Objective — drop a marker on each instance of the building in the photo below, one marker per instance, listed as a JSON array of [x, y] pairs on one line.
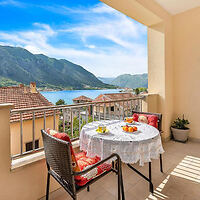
[[82, 99], [23, 97], [111, 108]]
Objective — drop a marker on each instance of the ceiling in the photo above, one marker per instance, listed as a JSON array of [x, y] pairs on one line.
[[178, 6]]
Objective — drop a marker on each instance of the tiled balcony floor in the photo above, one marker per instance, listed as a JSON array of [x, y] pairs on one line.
[[180, 181]]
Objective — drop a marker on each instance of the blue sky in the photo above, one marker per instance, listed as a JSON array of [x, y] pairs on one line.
[[86, 32]]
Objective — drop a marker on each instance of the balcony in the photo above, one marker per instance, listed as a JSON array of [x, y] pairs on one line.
[[180, 167], [173, 70]]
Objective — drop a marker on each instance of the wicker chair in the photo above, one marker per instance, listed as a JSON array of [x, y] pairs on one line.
[[159, 115], [59, 166]]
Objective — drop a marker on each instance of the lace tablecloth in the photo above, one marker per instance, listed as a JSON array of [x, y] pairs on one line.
[[142, 146]]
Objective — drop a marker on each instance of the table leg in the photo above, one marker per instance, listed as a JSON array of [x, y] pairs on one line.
[[143, 176]]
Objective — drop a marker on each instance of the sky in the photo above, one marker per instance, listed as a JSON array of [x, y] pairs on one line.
[[85, 32]]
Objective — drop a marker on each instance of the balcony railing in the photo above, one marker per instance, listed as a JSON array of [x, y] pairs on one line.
[[67, 118]]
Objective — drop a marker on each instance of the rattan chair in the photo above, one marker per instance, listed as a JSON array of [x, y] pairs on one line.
[[159, 115], [59, 166]]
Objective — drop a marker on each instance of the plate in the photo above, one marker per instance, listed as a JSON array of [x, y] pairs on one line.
[[106, 132]]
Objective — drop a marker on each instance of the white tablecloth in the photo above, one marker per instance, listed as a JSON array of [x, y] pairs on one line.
[[142, 146]]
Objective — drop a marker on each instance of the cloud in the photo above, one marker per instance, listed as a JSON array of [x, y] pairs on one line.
[[11, 3], [109, 43]]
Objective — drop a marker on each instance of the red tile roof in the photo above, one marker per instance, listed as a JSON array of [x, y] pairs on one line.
[[82, 98], [21, 97], [114, 96]]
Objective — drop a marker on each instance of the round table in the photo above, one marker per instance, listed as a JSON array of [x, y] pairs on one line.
[[142, 145]]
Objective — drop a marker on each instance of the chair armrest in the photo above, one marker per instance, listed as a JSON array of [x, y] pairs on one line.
[[96, 165]]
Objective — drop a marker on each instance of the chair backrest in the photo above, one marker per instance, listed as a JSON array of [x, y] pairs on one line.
[[159, 115], [58, 158]]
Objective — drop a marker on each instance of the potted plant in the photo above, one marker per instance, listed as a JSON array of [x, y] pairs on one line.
[[180, 130]]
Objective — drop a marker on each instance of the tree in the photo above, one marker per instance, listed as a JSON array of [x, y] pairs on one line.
[[60, 102], [137, 91]]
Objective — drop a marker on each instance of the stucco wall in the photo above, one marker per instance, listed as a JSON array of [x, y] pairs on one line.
[[186, 40]]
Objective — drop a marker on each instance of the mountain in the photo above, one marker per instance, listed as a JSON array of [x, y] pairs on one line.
[[131, 81], [106, 80], [17, 65]]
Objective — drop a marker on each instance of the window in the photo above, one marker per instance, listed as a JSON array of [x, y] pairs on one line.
[[112, 108], [29, 145]]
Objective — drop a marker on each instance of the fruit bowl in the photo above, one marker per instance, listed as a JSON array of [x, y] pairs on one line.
[[129, 129], [129, 120]]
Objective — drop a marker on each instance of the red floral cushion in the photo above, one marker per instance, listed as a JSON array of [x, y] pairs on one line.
[[135, 117], [152, 119], [65, 137], [85, 162]]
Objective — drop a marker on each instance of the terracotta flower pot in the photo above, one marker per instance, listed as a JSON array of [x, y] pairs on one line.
[[180, 135]]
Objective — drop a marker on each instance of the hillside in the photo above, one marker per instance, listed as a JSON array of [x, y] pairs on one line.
[[106, 80], [17, 65], [131, 81]]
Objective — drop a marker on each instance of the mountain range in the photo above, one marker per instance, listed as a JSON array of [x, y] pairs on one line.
[[128, 80], [17, 65]]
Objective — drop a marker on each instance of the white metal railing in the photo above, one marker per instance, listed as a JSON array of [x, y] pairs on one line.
[[71, 118]]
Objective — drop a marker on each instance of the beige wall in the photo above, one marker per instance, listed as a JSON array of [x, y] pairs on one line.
[[28, 182], [27, 132], [186, 40]]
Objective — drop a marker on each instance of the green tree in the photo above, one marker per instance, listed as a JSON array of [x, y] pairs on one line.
[[60, 102], [137, 91]]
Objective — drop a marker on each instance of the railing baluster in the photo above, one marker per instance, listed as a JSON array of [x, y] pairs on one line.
[[93, 112], [127, 108], [104, 111], [63, 112], [131, 107], [54, 119], [79, 120], [86, 114], [123, 109], [110, 117], [44, 120], [33, 136], [99, 112], [115, 109], [72, 120], [21, 134]]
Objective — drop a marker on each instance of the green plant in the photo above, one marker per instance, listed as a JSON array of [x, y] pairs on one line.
[[60, 102], [180, 123], [137, 91]]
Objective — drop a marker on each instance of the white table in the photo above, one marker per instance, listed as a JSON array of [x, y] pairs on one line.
[[141, 146]]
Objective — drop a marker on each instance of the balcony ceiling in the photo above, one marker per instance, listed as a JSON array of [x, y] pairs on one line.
[[178, 6]]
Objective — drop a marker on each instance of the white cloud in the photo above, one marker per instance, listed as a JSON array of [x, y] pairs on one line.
[[11, 3], [122, 53]]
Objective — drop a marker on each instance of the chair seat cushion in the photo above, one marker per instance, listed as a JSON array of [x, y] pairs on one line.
[[84, 162]]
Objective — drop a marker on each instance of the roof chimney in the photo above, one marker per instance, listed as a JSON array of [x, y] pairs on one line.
[[33, 87], [25, 90]]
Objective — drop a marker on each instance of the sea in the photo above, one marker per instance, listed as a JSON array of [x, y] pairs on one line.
[[69, 95]]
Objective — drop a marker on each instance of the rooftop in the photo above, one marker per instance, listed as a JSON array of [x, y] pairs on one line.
[[23, 97], [114, 96], [82, 98]]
